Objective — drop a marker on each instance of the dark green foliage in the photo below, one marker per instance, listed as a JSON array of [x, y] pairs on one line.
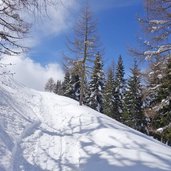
[[163, 105], [96, 85], [66, 85], [108, 93], [58, 88], [50, 85], [71, 85], [133, 103], [75, 87], [119, 90]]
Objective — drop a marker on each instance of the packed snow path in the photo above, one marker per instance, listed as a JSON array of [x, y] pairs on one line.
[[41, 131]]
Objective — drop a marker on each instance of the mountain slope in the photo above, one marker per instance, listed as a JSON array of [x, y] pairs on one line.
[[41, 131]]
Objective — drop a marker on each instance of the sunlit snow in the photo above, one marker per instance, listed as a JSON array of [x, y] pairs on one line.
[[41, 131]]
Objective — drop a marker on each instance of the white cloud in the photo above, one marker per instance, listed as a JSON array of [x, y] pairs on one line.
[[56, 19], [31, 73]]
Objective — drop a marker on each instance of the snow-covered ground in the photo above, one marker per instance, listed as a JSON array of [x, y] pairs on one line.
[[41, 131]]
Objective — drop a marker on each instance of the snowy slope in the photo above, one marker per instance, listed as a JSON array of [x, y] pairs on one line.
[[41, 131]]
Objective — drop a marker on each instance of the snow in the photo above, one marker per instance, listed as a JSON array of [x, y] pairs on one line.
[[159, 130], [161, 49], [147, 42], [164, 48], [149, 54], [41, 131], [154, 28], [160, 76], [158, 22]]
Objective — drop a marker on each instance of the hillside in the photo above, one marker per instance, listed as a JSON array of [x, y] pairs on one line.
[[41, 131]]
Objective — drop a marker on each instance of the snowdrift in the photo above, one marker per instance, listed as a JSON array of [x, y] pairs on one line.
[[40, 131]]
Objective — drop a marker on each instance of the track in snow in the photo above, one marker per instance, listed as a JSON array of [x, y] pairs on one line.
[[44, 132]]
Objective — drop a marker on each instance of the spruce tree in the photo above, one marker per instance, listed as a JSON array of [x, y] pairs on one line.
[[96, 85], [66, 86], [71, 84], [119, 90], [108, 93], [154, 81], [75, 86], [58, 88], [156, 45], [50, 85], [133, 101], [162, 119]]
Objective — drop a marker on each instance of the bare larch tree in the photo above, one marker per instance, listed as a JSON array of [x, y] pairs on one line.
[[13, 27], [83, 47]]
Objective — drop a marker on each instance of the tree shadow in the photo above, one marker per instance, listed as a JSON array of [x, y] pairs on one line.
[[96, 152], [96, 156], [12, 123]]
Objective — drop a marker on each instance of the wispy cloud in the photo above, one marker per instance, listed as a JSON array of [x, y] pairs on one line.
[[56, 19]]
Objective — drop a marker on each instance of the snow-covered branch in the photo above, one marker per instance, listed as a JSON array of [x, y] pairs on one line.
[[161, 49], [160, 130]]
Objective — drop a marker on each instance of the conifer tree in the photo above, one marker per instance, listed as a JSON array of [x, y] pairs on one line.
[[71, 84], [66, 86], [119, 90], [133, 101], [154, 81], [50, 85], [156, 49], [108, 93], [96, 85], [162, 107], [75, 86], [58, 88]]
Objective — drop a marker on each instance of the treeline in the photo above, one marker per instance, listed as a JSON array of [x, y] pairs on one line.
[[130, 101], [143, 99]]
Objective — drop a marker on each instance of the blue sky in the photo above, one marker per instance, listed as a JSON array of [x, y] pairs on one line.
[[118, 30], [117, 26]]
